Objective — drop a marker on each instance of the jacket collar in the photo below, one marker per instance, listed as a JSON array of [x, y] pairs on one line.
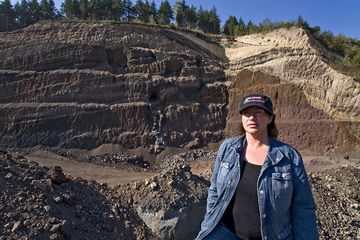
[[274, 154]]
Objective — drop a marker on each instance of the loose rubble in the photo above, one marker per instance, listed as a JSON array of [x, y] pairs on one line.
[[337, 196], [43, 203], [118, 160], [172, 203]]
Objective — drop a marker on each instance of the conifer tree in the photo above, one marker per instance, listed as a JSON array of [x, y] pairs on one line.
[[47, 9], [7, 16], [166, 14], [240, 29], [145, 17], [67, 8], [139, 10], [230, 25], [128, 10], [191, 17], [180, 13], [84, 9], [34, 11], [22, 12], [154, 16], [250, 27], [117, 9]]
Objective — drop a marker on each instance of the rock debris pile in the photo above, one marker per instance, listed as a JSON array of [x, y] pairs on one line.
[[41, 203], [118, 160], [185, 157], [171, 203], [338, 200]]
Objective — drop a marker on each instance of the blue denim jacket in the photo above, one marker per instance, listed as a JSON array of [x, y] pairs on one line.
[[286, 205]]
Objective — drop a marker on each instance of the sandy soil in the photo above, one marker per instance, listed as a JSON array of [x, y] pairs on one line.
[[88, 171], [116, 176]]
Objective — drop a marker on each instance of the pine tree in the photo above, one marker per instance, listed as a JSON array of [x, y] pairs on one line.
[[230, 25], [154, 16], [47, 9], [214, 21], [165, 13], [250, 27], [76, 9], [145, 17], [139, 10], [128, 10], [117, 9], [180, 13], [22, 11], [7, 16], [240, 29], [34, 11], [191, 17], [84, 9], [202, 19], [66, 8]]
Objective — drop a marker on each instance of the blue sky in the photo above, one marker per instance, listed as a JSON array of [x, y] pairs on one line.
[[339, 17]]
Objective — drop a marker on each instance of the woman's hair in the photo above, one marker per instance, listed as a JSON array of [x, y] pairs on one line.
[[272, 130]]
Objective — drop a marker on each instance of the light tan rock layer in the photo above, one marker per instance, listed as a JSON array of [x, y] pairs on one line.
[[295, 57]]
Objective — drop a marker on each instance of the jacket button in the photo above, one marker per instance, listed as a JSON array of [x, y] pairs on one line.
[[264, 215], [261, 191]]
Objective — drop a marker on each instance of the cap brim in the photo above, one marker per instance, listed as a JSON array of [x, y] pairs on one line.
[[254, 104]]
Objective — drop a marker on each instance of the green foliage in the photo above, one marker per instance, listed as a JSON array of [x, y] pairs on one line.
[[180, 13], [47, 10], [192, 17], [209, 21], [23, 14], [230, 25], [7, 16], [166, 14]]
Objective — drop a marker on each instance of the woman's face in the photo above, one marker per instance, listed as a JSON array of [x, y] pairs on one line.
[[255, 120]]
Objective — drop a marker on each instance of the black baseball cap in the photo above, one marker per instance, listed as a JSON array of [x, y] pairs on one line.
[[258, 100]]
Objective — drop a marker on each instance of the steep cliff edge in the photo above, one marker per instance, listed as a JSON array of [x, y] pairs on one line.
[[316, 106], [85, 84]]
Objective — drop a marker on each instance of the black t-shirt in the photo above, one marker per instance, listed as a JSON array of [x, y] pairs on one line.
[[242, 215]]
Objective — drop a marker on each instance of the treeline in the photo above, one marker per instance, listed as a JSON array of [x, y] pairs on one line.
[[26, 12], [234, 27], [182, 15]]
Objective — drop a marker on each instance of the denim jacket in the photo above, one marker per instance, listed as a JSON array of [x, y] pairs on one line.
[[286, 205]]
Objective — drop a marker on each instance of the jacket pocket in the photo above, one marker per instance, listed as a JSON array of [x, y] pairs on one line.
[[282, 184], [224, 170]]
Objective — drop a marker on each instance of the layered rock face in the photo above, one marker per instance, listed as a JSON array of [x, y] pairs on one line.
[[316, 107], [82, 85]]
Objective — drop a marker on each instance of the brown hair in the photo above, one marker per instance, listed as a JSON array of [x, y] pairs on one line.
[[272, 130]]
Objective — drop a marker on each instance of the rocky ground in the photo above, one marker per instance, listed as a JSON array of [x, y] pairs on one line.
[[43, 203], [338, 199]]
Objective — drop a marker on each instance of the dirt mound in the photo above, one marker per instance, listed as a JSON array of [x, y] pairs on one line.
[[172, 203], [42, 203]]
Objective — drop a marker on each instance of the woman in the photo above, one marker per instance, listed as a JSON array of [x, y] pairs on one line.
[[259, 187]]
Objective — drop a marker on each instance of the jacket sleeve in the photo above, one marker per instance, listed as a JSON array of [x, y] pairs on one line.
[[212, 192], [303, 206]]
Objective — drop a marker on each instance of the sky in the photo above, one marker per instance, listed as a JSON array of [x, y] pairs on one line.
[[339, 17]]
